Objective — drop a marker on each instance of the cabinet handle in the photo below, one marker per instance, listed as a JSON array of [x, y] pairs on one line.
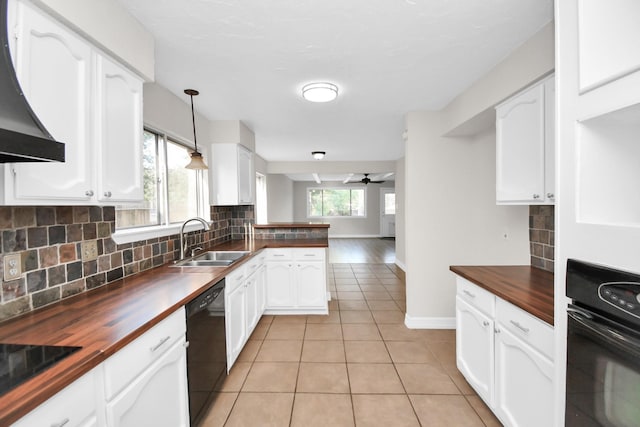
[[551, 196], [88, 193], [470, 294], [61, 423], [278, 254], [239, 278], [107, 194], [519, 326], [162, 341], [485, 323], [309, 254], [536, 196]]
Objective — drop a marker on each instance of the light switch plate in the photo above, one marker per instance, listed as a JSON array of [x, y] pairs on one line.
[[89, 250], [12, 267]]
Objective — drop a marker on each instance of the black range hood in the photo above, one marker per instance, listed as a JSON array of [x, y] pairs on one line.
[[23, 138]]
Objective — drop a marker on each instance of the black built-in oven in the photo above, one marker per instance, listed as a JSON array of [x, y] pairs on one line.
[[603, 347], [207, 350]]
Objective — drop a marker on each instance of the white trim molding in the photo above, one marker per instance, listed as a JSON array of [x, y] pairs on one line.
[[429, 322], [355, 236], [401, 265]]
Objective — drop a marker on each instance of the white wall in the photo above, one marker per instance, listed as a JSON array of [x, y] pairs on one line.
[[400, 214], [342, 227], [279, 198], [111, 27]]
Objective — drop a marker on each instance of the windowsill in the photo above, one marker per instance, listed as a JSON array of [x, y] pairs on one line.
[[130, 235]]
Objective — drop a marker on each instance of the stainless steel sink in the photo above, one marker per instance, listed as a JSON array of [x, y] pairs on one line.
[[212, 259]]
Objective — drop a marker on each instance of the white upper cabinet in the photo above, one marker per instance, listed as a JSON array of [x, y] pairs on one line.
[[524, 147], [85, 100], [232, 175]]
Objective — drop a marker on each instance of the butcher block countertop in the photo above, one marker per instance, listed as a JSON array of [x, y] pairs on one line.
[[104, 320], [527, 287]]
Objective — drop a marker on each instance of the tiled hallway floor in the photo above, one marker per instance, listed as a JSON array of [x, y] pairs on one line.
[[357, 366]]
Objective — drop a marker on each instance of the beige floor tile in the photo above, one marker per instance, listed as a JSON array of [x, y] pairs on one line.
[[350, 296], [377, 295], [323, 378], [353, 305], [439, 335], [402, 304], [459, 380], [374, 378], [348, 288], [332, 317], [383, 410], [322, 410], [266, 320], [366, 352], [260, 331], [395, 287], [483, 411], [333, 306], [424, 378], [289, 319], [373, 288], [360, 332], [371, 281], [249, 351], [323, 351], [396, 332], [410, 352], [280, 351], [445, 352], [388, 316], [261, 409], [356, 316], [343, 274], [362, 275], [219, 410], [383, 305], [286, 331], [346, 281], [272, 376], [316, 331], [398, 295], [236, 377], [443, 410]]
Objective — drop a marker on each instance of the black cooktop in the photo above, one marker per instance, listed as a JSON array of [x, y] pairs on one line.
[[19, 362]]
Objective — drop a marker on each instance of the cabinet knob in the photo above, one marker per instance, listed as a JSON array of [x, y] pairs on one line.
[[107, 194], [536, 196], [485, 323], [497, 331], [88, 193], [551, 196]]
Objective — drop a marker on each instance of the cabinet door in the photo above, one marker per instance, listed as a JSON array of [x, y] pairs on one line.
[[236, 317], [474, 348], [157, 397], [53, 67], [280, 291], [118, 133], [246, 176], [520, 153], [252, 303], [549, 140], [524, 382], [311, 284], [261, 276]]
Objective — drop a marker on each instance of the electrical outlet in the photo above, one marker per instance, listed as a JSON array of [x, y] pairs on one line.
[[12, 267], [89, 250]]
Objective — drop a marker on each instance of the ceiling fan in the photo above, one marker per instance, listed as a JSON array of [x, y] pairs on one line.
[[366, 180]]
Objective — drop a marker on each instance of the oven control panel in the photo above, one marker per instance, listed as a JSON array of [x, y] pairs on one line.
[[623, 295]]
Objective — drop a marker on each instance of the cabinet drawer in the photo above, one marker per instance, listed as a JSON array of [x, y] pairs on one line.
[[476, 296], [126, 364], [526, 326], [75, 404], [279, 254], [309, 254], [253, 264], [235, 278]]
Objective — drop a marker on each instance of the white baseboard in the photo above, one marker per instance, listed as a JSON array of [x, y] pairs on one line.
[[401, 265], [355, 236], [429, 322]]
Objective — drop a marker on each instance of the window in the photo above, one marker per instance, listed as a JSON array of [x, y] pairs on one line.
[[335, 202], [389, 204], [172, 193]]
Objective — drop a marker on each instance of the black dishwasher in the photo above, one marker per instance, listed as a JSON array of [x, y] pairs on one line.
[[207, 351]]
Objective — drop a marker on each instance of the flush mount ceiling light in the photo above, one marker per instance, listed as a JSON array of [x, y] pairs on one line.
[[318, 155], [320, 92], [196, 158]]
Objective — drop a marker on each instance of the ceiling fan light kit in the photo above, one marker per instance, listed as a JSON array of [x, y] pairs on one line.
[[318, 155], [320, 92], [366, 180]]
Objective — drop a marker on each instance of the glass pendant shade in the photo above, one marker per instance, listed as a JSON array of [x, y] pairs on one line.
[[197, 162]]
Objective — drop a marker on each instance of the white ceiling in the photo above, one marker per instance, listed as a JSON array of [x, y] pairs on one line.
[[250, 58]]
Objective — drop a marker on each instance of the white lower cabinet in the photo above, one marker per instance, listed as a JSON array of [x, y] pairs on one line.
[[75, 406], [506, 355], [296, 281]]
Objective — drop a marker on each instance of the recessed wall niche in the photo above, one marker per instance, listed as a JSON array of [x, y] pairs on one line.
[[608, 170]]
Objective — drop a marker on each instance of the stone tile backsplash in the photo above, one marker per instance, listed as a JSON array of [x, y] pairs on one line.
[[542, 236], [49, 241], [291, 233]]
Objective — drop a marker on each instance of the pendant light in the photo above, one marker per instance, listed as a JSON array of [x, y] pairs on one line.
[[196, 158]]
